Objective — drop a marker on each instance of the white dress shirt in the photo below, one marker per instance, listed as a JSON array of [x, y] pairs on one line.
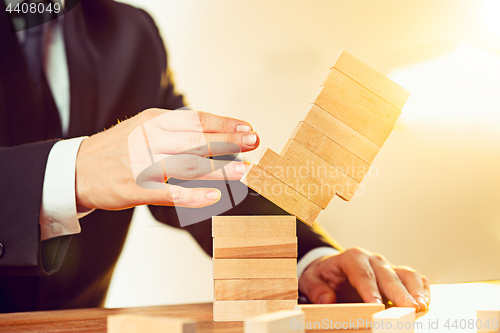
[[58, 213]]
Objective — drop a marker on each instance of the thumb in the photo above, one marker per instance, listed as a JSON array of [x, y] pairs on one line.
[[317, 290]]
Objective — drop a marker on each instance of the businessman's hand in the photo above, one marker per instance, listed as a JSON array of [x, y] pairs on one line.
[[127, 165], [357, 275]]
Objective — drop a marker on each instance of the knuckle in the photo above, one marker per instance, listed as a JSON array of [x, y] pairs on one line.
[[356, 251], [196, 142], [197, 119], [366, 274], [190, 166], [176, 194], [378, 257]]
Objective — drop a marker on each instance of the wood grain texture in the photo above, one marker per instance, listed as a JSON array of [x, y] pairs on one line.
[[281, 194], [254, 289], [339, 132], [275, 322], [339, 313], [242, 310], [329, 178], [357, 107], [254, 247], [137, 324], [255, 268], [254, 226], [291, 174], [372, 79], [330, 151], [394, 320]]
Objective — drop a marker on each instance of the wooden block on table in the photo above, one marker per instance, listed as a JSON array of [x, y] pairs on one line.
[[373, 80], [339, 132], [255, 268], [275, 322], [488, 321], [254, 226], [337, 314], [332, 152], [254, 247], [281, 194], [138, 324], [357, 107], [330, 178], [399, 320], [241, 310], [254, 289], [296, 177]]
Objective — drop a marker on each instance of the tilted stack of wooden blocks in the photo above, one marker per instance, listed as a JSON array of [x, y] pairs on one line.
[[332, 149], [255, 265]]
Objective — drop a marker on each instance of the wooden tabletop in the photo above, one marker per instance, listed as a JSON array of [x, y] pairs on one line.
[[449, 302], [94, 320]]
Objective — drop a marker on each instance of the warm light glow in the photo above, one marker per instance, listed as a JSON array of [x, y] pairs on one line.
[[491, 15]]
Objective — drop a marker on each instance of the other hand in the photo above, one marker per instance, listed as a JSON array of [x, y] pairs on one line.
[[356, 275]]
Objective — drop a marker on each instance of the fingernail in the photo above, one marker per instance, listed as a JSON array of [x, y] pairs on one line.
[[410, 300], [427, 300], [325, 299], [243, 128], [422, 303], [213, 195], [240, 168], [250, 139], [378, 300]]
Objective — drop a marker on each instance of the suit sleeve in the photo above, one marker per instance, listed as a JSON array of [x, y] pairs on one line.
[[22, 170]]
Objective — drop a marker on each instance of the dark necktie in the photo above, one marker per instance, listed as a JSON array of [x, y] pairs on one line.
[[33, 49]]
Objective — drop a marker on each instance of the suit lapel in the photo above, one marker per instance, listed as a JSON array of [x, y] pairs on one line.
[[82, 74]]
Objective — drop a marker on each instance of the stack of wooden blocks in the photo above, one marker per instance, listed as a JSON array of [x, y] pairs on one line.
[[332, 149], [255, 265]]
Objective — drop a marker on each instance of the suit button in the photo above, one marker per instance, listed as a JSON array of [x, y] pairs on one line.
[[2, 251]]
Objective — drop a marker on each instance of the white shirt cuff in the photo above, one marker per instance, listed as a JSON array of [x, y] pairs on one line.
[[312, 255], [58, 212]]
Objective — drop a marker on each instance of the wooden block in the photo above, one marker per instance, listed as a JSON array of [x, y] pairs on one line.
[[255, 268], [339, 132], [241, 310], [399, 320], [357, 107], [373, 80], [330, 151], [280, 194], [254, 226], [276, 322], [334, 316], [253, 289], [488, 321], [138, 324], [254, 247], [289, 173], [329, 178]]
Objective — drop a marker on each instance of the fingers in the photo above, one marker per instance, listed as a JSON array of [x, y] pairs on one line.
[[190, 167], [196, 167], [201, 144], [317, 290], [176, 195], [427, 290], [356, 265], [391, 285], [197, 121], [414, 284]]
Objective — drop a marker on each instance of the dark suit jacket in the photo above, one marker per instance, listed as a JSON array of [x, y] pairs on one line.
[[117, 67]]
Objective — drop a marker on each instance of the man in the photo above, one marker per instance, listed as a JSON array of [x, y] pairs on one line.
[[116, 68]]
